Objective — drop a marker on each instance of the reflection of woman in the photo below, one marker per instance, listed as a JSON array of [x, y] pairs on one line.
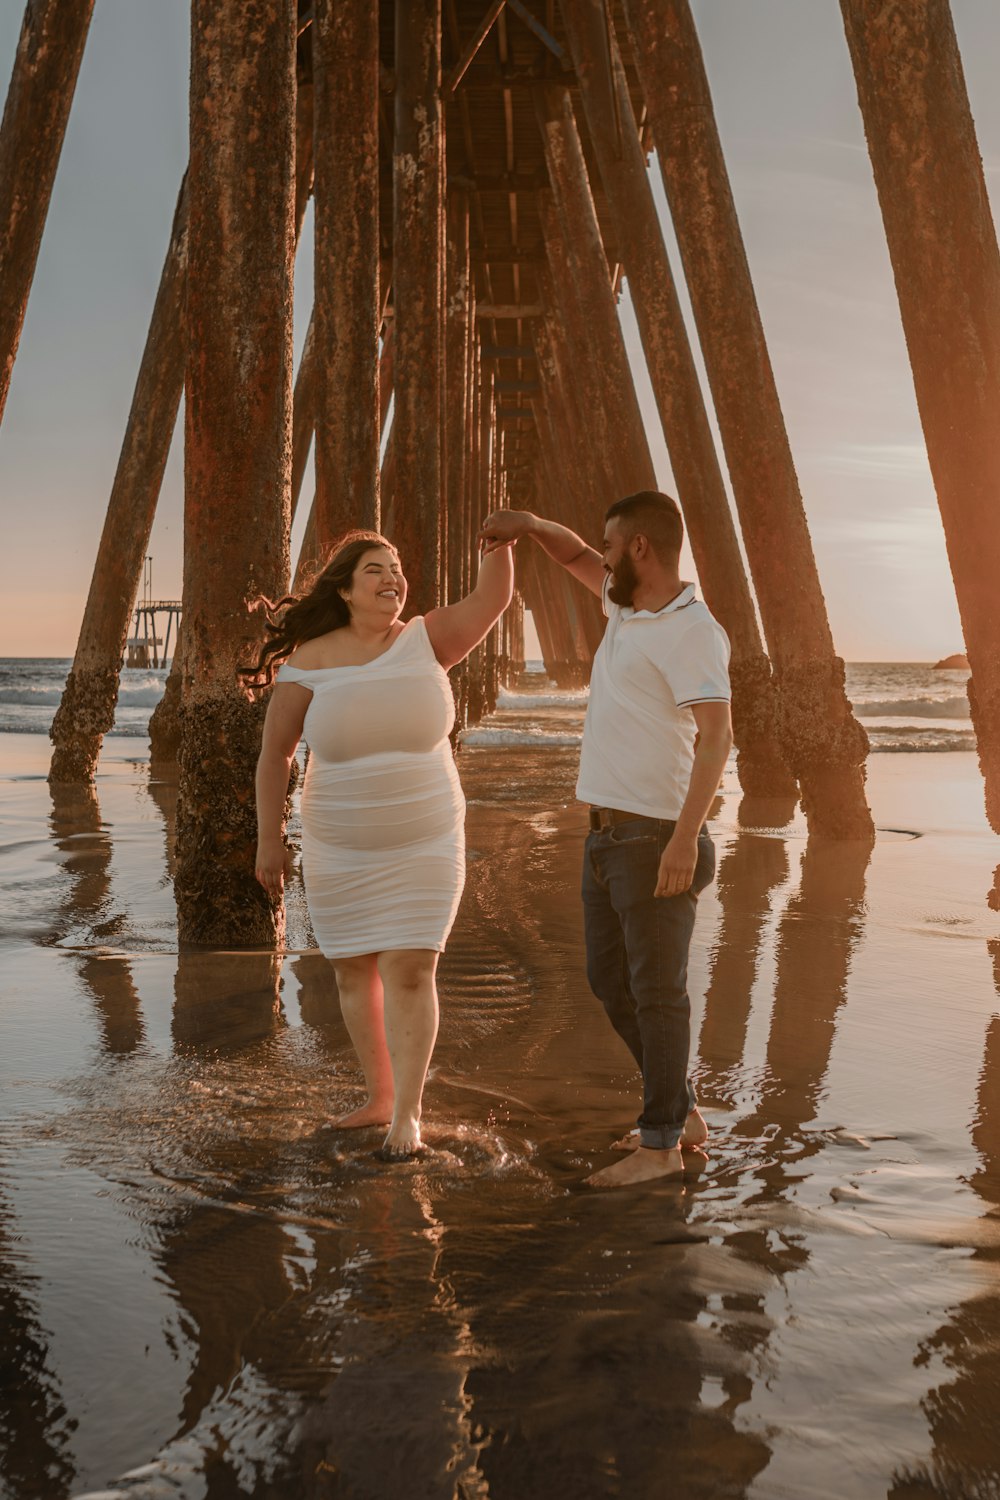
[[382, 807]]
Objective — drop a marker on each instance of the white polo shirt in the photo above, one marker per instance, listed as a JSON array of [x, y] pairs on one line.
[[638, 736]]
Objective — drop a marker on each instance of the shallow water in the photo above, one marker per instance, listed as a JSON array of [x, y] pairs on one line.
[[207, 1295]]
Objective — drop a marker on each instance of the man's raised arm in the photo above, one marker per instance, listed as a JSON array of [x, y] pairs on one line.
[[562, 545]]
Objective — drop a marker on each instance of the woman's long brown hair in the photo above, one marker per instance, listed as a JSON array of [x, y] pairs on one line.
[[299, 618]]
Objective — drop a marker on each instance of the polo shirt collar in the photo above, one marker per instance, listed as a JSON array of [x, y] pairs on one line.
[[685, 596]]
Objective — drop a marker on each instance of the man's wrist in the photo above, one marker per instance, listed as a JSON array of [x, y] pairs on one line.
[[684, 832]]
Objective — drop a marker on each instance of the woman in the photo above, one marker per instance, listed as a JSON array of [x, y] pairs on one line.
[[383, 850]]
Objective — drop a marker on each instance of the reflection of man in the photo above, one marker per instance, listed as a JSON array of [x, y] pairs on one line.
[[655, 742]]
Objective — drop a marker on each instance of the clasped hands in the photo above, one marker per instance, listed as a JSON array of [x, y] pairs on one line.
[[503, 528]]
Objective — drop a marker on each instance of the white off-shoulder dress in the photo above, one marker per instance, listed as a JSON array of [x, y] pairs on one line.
[[383, 815]]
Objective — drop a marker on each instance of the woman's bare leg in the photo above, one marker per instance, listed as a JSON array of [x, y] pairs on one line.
[[361, 1002], [411, 1023]]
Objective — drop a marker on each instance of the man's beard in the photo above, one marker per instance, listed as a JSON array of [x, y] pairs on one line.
[[624, 581]]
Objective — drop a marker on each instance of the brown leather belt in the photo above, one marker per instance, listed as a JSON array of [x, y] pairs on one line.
[[610, 817]]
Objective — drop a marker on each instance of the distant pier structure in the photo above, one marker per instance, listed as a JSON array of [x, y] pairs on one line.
[[480, 174], [142, 649]]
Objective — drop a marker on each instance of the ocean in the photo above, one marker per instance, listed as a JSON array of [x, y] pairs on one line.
[[905, 706]]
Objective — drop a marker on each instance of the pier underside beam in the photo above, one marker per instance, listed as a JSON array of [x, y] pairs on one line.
[[826, 747]]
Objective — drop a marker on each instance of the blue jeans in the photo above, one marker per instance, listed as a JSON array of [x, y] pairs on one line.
[[637, 957]]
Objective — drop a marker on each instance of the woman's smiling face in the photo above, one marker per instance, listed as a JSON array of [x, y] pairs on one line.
[[378, 587]]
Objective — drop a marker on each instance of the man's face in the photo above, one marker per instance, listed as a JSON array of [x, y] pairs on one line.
[[618, 562]]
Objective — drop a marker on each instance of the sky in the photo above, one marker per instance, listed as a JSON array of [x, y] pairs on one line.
[[791, 130]]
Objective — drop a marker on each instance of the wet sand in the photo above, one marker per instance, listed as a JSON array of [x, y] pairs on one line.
[[204, 1296]]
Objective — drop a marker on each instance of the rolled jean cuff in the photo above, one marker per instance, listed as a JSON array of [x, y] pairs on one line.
[[663, 1139]]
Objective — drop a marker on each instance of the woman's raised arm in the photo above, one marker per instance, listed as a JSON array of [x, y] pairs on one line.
[[456, 628]]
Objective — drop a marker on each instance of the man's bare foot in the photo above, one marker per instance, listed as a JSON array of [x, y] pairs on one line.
[[695, 1162], [641, 1165], [372, 1112], [695, 1132], [693, 1136], [403, 1140]]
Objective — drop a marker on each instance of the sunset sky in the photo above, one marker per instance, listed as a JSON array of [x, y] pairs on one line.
[[788, 114]]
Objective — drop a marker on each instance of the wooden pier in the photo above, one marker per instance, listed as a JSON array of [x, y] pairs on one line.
[[142, 649], [480, 177]]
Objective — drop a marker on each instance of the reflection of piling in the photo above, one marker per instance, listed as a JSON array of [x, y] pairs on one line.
[[49, 53], [943, 247], [36, 1436], [819, 932], [84, 840], [749, 875], [224, 1002], [674, 378], [109, 979], [826, 746], [238, 445], [345, 79]]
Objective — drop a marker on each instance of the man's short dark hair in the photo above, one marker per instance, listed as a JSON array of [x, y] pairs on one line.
[[656, 516]]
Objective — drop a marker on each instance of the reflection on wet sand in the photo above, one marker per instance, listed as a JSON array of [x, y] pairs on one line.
[[35, 1428], [87, 906], [162, 789], [964, 1415], [398, 1418], [317, 995], [464, 1327], [749, 873], [609, 1362], [475, 1324], [818, 934], [225, 1001]]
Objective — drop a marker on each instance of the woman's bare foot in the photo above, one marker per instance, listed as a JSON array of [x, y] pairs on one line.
[[403, 1140], [372, 1112], [693, 1136], [641, 1165]]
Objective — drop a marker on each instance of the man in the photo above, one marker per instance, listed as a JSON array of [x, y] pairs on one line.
[[655, 743]]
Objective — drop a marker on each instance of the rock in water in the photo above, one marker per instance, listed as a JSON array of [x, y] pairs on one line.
[[958, 661]]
